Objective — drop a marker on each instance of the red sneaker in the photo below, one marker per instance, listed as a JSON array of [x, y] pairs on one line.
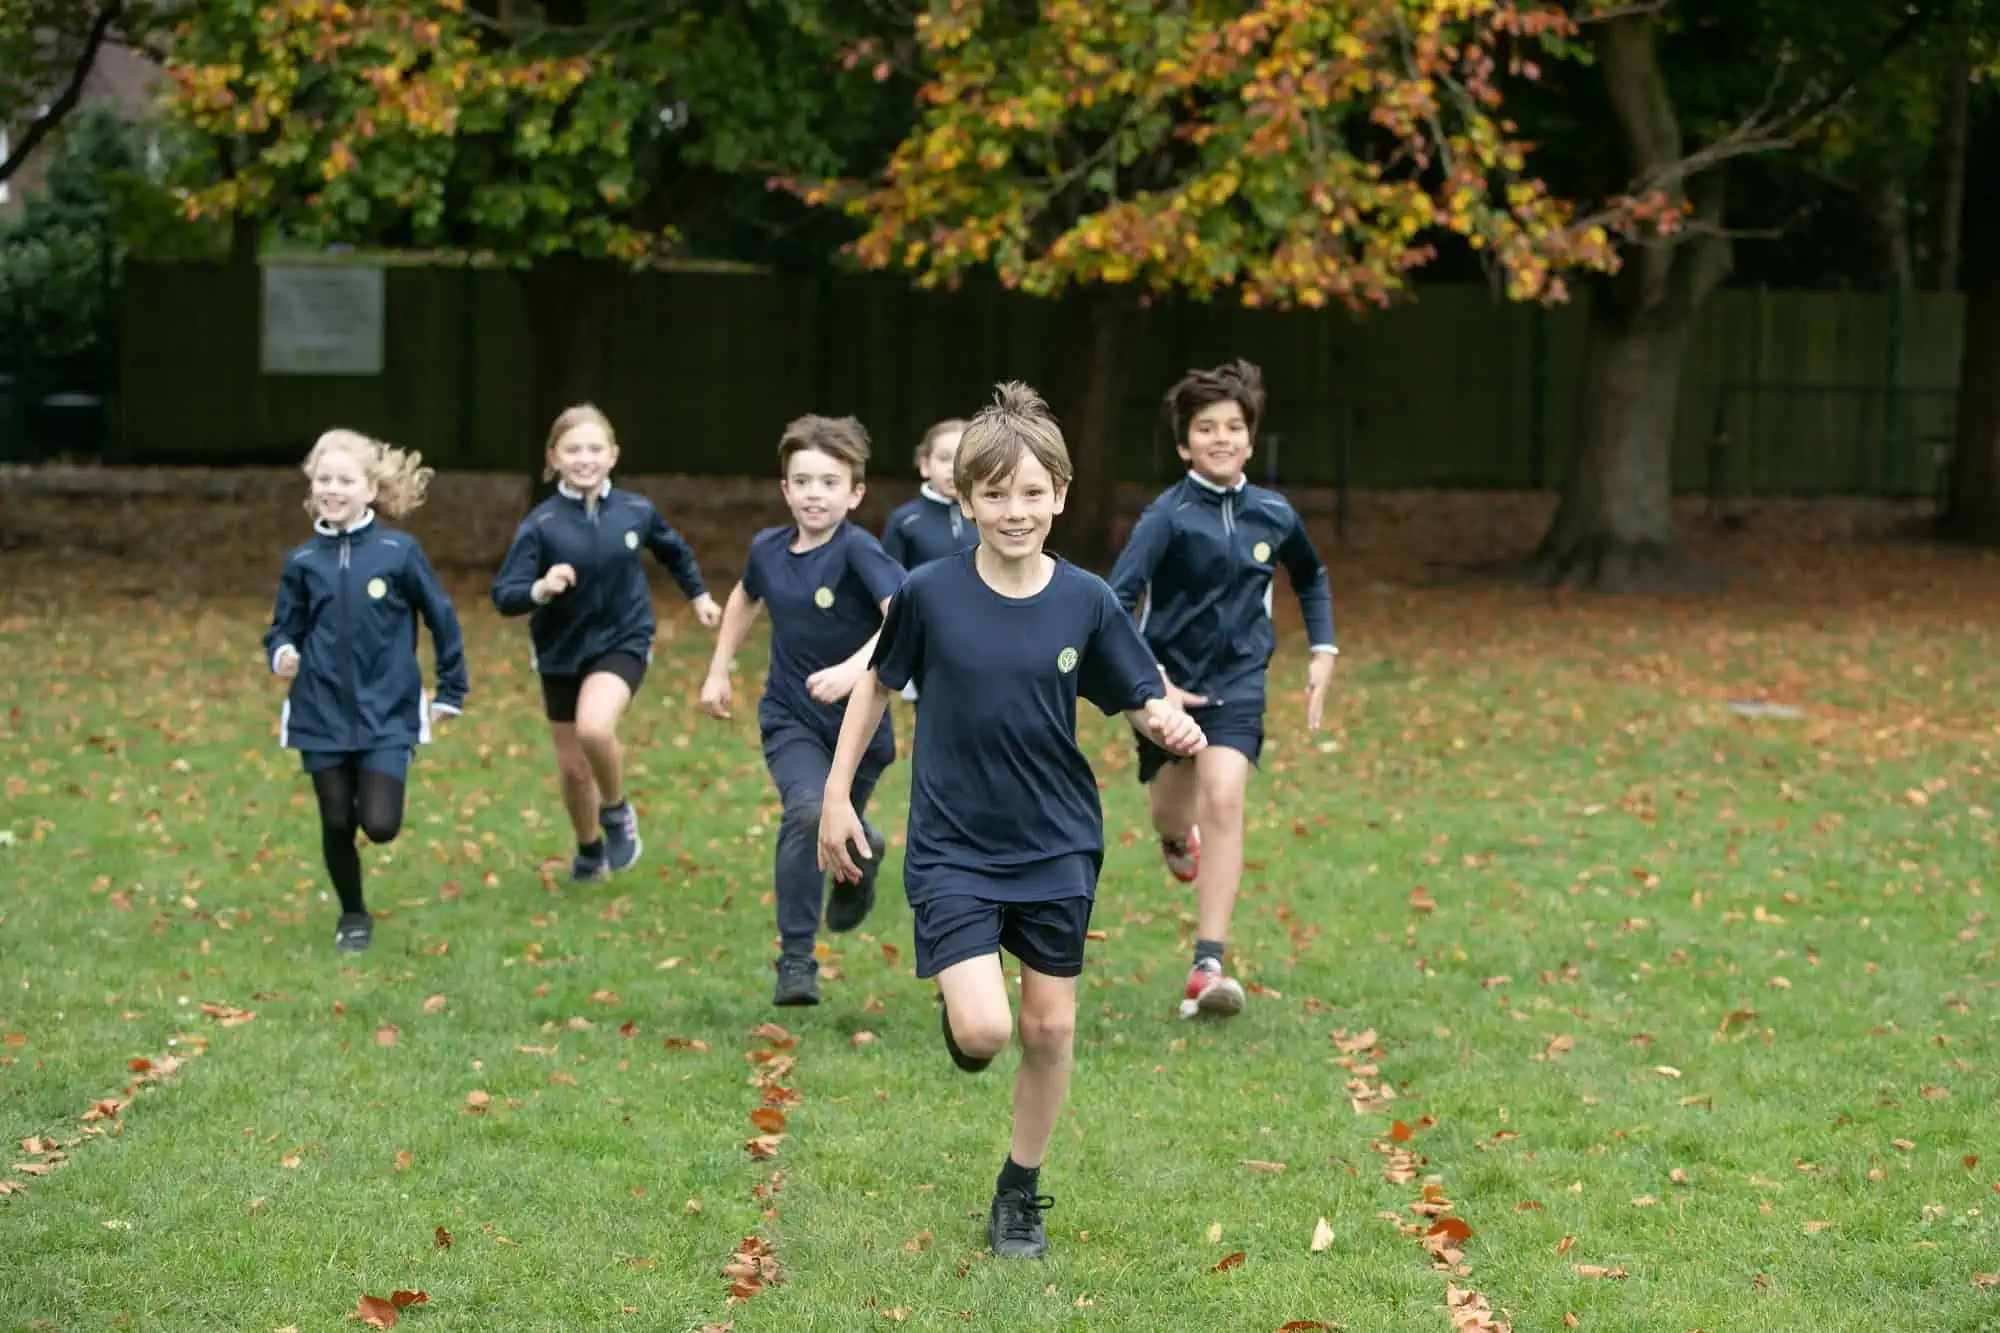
[[1183, 855]]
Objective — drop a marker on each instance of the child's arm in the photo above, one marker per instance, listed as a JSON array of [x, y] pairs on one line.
[[841, 835], [1120, 675], [831, 684], [447, 641], [514, 587], [883, 576], [1315, 593], [288, 621], [671, 549], [738, 615], [1140, 560]]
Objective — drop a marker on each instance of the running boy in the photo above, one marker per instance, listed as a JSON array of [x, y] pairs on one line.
[[574, 570], [1006, 834], [1202, 556], [344, 632], [932, 525], [827, 582]]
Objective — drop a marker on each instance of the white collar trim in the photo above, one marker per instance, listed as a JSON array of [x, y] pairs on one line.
[[563, 488], [1211, 487], [326, 529], [930, 493]]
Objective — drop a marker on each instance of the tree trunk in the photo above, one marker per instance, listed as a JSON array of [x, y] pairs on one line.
[[568, 301], [1613, 529], [1087, 398], [1949, 205], [1972, 506]]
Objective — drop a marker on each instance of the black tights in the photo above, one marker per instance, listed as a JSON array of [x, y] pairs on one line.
[[350, 798]]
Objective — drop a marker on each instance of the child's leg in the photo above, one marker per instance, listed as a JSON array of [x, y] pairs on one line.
[[1222, 777], [579, 788], [338, 818], [975, 1002], [1048, 1045], [798, 764], [379, 800], [599, 706]]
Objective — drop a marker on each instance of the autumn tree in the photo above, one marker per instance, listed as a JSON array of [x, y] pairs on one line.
[[1290, 154], [570, 139]]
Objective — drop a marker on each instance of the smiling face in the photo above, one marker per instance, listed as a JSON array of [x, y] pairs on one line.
[[341, 488], [1015, 512], [583, 457], [1218, 443], [820, 490]]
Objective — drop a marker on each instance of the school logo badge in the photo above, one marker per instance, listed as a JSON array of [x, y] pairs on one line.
[[632, 541], [377, 589], [1066, 661], [1261, 552], [823, 598]]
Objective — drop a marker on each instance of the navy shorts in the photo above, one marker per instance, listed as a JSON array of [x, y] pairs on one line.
[[1231, 725], [560, 693], [393, 761], [1047, 936]]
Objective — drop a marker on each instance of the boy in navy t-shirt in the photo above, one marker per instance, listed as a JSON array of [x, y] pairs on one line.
[[1202, 557], [826, 582], [1006, 833]]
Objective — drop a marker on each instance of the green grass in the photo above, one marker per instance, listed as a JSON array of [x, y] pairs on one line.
[[1606, 854]]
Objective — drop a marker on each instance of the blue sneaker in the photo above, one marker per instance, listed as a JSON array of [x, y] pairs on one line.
[[586, 868], [621, 836]]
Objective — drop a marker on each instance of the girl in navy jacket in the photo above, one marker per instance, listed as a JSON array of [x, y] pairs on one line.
[[344, 632], [574, 571]]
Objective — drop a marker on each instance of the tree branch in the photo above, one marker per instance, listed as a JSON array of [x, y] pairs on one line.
[[31, 138]]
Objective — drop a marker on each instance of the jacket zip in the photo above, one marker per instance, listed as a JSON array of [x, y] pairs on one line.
[[347, 644]]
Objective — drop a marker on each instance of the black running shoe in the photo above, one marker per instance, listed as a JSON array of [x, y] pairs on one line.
[[798, 980], [355, 932], [1014, 1228], [848, 905], [970, 1064]]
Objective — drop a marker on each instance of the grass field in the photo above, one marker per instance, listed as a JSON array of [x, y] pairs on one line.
[[1687, 1017]]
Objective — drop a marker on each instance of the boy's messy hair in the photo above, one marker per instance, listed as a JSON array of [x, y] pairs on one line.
[[937, 431], [1237, 381], [583, 414], [1017, 422], [401, 480], [843, 439]]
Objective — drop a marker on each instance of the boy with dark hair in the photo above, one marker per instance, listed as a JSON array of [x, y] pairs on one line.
[[1006, 832], [1202, 556], [826, 581]]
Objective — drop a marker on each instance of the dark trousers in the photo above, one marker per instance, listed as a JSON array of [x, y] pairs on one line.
[[799, 762]]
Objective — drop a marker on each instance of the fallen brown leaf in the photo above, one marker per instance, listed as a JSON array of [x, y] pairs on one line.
[[477, 1101], [1232, 1260], [1272, 1167], [404, 1159], [441, 1238], [375, 1312], [1322, 1237], [769, 1119], [1400, 1132], [434, 1005], [1599, 1270]]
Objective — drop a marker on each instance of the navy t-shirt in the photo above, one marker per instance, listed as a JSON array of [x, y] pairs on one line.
[[824, 604], [1002, 801]]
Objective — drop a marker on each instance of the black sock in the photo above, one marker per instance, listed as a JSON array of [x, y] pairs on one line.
[[1204, 950], [594, 848], [1014, 1176], [343, 865], [606, 811]]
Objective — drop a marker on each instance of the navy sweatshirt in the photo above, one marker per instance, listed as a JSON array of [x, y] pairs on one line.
[[610, 608], [1202, 558], [921, 530], [348, 603]]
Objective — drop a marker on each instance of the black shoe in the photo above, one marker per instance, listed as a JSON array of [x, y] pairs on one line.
[[970, 1064], [798, 980], [355, 932], [849, 904], [1014, 1228]]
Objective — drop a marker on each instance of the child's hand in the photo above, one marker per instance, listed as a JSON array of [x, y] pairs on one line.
[[285, 662], [840, 836], [559, 580], [1173, 730], [832, 684], [1180, 698], [1318, 677], [715, 695], [706, 612]]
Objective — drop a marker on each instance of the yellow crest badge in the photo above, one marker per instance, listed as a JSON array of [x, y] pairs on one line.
[[377, 589], [1066, 661], [1261, 552], [823, 598], [632, 541]]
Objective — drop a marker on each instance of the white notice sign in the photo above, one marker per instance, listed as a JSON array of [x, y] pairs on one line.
[[322, 320]]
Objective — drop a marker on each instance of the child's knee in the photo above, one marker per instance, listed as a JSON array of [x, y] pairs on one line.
[[802, 817], [1048, 1035], [1222, 803], [575, 768], [981, 1035], [382, 829], [596, 733]]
